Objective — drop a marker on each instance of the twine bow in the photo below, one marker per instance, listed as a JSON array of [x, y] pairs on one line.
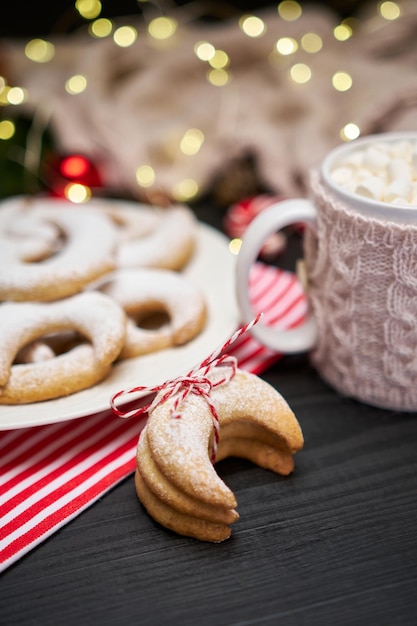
[[198, 381]]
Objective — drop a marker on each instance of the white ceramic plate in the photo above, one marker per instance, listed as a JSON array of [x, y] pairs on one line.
[[212, 268]]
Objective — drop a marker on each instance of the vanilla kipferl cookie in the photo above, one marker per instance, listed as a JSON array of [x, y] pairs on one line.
[[168, 244], [151, 236], [175, 478], [131, 222], [97, 319], [87, 252], [145, 294], [33, 239]]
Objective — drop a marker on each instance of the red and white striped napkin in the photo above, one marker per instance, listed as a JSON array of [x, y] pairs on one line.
[[49, 474]]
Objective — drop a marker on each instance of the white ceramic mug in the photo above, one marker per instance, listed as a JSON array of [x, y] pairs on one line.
[[360, 256]]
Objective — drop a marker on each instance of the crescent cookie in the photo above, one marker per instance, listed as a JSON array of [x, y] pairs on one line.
[[146, 293], [80, 259], [175, 478], [99, 321], [130, 223], [168, 245], [33, 238]]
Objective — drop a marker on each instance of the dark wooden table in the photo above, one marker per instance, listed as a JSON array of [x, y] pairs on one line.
[[335, 543]]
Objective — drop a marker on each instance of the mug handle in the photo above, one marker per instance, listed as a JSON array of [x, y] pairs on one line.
[[277, 216]]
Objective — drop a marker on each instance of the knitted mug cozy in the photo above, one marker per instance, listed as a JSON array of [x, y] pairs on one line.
[[362, 287]]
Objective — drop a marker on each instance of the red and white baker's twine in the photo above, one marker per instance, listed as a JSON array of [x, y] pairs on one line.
[[196, 381]]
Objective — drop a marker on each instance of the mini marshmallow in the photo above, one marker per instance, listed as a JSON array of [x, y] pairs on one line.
[[401, 149], [371, 187], [399, 188], [342, 175], [375, 159], [399, 201], [362, 173], [414, 164], [413, 195], [355, 159], [398, 169]]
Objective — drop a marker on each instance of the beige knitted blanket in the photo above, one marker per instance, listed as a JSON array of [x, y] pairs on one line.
[[140, 100]]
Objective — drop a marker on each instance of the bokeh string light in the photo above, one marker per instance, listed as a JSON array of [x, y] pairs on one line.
[[163, 24]]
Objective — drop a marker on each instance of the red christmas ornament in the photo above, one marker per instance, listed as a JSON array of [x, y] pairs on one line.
[[239, 216], [72, 169], [75, 167]]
